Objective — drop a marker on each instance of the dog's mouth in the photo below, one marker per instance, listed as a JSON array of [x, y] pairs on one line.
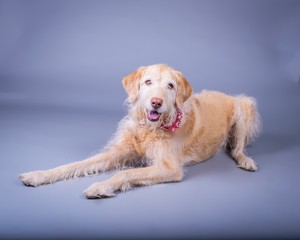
[[153, 116]]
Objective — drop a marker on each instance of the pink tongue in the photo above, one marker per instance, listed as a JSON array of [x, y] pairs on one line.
[[153, 115]]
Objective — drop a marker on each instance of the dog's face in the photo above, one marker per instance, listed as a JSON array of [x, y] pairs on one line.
[[158, 90]]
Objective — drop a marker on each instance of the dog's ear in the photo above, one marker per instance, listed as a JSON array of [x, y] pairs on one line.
[[184, 89], [131, 84]]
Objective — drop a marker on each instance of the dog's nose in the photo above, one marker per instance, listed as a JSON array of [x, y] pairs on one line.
[[156, 102]]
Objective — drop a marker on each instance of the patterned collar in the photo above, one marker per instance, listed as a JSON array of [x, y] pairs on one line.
[[175, 125]]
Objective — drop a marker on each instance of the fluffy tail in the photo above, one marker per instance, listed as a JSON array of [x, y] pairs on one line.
[[246, 122]]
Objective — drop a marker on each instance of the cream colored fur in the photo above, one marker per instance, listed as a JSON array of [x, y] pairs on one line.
[[146, 154]]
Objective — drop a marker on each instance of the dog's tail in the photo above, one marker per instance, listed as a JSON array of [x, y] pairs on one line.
[[246, 122]]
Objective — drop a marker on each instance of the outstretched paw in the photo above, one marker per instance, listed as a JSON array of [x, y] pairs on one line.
[[99, 190], [33, 179]]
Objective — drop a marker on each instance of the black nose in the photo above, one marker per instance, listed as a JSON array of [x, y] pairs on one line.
[[156, 102]]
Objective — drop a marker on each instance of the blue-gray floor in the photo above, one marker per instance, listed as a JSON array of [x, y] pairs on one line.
[[215, 199]]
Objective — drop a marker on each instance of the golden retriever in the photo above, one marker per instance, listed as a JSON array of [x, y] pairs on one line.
[[167, 128]]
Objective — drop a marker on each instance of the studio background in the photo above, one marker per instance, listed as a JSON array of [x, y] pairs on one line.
[[61, 97]]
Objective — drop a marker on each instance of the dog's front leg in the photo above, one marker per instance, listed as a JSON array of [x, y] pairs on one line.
[[105, 161], [124, 180]]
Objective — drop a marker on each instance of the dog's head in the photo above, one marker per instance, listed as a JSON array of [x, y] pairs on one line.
[[157, 91]]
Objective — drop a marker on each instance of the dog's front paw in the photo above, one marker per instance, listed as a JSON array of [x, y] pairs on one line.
[[99, 190], [247, 164], [33, 179]]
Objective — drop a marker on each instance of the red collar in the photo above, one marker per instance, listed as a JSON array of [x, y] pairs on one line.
[[175, 125]]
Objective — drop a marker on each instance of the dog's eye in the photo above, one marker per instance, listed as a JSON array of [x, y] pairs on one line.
[[170, 85], [148, 82]]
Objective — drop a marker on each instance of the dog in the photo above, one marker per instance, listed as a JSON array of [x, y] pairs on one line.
[[166, 128]]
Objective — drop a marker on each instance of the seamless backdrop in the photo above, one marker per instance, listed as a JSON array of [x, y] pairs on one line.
[[61, 97]]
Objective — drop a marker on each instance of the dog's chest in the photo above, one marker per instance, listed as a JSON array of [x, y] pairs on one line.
[[144, 140]]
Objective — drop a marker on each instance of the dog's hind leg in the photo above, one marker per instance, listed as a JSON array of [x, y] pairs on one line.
[[245, 126]]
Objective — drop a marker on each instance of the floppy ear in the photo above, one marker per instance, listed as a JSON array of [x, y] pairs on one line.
[[184, 89], [131, 84]]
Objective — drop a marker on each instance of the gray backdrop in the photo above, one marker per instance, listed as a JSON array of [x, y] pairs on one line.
[[61, 97]]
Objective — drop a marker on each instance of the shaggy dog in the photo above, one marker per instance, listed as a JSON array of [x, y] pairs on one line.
[[167, 128]]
